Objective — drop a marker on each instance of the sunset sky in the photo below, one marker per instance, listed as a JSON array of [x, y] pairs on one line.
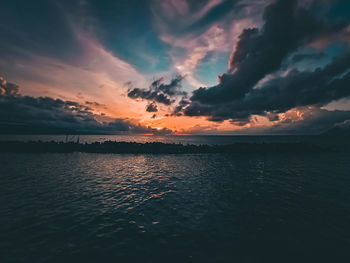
[[174, 66]]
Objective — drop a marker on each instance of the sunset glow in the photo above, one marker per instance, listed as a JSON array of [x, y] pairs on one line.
[[181, 65]]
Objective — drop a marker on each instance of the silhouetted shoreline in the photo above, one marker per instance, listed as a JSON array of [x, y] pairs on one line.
[[157, 147]]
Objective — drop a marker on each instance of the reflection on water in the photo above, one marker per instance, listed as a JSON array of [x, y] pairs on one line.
[[174, 208]]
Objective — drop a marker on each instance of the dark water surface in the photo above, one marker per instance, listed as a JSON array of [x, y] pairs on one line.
[[175, 208]]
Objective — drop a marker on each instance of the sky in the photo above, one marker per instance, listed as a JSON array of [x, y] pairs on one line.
[[174, 66]]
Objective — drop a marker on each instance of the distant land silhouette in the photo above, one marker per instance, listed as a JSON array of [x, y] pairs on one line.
[[338, 132], [156, 147]]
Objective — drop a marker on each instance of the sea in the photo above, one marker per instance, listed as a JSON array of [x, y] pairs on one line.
[[88, 207]]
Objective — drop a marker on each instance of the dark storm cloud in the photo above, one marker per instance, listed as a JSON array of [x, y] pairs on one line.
[[95, 104], [303, 120], [24, 114], [308, 56], [159, 92], [137, 93], [315, 121], [152, 107], [7, 88], [179, 108], [171, 89], [258, 53], [280, 94]]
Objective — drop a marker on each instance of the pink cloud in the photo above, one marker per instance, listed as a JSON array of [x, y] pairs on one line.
[[173, 8]]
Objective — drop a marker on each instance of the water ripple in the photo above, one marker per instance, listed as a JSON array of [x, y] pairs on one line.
[[166, 208]]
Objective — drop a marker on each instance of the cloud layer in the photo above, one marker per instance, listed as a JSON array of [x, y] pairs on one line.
[[279, 57], [45, 115], [255, 83], [159, 92]]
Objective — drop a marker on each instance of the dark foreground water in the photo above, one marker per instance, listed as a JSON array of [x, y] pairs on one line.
[[175, 208]]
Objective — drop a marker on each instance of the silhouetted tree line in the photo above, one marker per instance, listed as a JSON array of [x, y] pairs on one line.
[[155, 147]]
